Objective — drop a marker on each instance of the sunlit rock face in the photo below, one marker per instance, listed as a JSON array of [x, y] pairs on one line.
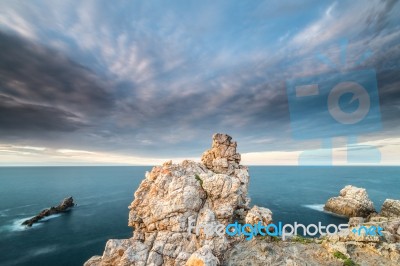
[[390, 208], [172, 195], [351, 202], [222, 157], [174, 199]]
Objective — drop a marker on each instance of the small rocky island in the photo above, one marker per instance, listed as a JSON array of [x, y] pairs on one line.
[[63, 207], [215, 192], [351, 202]]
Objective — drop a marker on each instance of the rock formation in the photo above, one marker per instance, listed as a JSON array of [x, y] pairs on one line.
[[64, 206], [171, 196], [339, 249], [311, 253], [378, 249], [390, 208], [222, 157], [174, 199], [351, 202], [258, 214]]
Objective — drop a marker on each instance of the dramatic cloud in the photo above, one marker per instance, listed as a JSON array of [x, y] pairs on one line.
[[18, 118], [139, 79]]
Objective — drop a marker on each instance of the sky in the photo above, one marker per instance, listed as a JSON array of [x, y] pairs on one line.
[[141, 82]]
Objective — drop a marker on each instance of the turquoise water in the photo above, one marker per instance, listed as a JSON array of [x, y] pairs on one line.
[[103, 194]]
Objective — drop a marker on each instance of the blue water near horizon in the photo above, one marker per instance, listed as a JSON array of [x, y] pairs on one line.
[[294, 193]]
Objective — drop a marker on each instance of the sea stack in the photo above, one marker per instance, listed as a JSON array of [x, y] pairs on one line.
[[209, 194], [63, 207], [351, 202]]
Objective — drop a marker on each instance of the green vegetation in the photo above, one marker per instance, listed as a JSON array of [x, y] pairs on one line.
[[199, 179], [346, 261], [201, 183], [349, 262], [302, 239], [339, 255]]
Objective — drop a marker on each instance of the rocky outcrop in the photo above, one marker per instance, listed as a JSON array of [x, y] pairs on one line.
[[390, 208], [314, 252], [63, 207], [378, 249], [381, 248], [222, 158], [174, 200], [277, 253], [340, 249], [351, 202], [178, 207], [259, 214], [203, 256]]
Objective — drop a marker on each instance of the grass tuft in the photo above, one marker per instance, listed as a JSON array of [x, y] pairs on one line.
[[349, 262], [346, 261], [339, 255], [199, 179]]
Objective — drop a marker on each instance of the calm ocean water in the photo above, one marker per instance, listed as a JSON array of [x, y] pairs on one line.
[[103, 194]]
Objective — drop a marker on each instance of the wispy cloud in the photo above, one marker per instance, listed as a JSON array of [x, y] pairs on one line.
[[142, 80]]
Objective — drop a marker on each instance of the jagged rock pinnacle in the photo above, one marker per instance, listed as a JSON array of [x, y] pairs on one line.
[[222, 158]]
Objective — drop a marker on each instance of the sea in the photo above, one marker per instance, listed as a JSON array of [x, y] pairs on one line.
[[294, 194]]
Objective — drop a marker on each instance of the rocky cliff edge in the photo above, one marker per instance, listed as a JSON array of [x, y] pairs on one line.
[[171, 196], [176, 197]]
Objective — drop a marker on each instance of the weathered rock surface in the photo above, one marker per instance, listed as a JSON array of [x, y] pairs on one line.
[[171, 196], [351, 202], [259, 214], [222, 158], [353, 249], [64, 206], [175, 197], [260, 252], [368, 249], [390, 208], [203, 256]]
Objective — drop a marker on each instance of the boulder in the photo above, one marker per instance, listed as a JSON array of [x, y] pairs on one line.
[[203, 257], [351, 202], [390, 208], [259, 214]]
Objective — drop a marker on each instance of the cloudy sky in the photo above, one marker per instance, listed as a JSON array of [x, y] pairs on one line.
[[139, 82]]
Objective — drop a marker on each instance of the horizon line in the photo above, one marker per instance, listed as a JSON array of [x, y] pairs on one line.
[[152, 165]]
